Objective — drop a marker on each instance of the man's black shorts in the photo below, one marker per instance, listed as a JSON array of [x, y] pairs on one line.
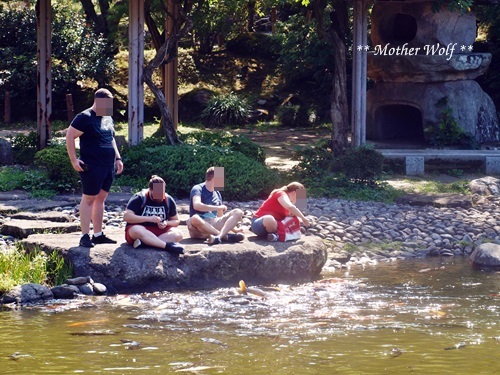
[[97, 177]]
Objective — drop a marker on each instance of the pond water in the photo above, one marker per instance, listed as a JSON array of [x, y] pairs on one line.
[[433, 316]]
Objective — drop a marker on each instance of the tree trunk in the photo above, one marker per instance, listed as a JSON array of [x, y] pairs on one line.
[[339, 109], [164, 55], [251, 15], [335, 34], [167, 123]]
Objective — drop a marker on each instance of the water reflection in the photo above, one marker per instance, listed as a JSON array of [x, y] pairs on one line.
[[424, 316]]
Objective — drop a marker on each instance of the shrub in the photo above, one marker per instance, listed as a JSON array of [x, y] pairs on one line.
[[238, 143], [362, 165], [292, 116], [54, 160], [447, 132], [184, 166], [224, 110], [11, 178], [254, 45], [353, 175], [24, 148]]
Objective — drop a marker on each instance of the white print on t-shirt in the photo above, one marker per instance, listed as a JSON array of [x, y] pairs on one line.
[[155, 211], [106, 123]]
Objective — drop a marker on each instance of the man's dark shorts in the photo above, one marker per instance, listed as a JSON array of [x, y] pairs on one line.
[[96, 178]]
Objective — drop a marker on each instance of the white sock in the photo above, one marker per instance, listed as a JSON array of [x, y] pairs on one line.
[[97, 234]]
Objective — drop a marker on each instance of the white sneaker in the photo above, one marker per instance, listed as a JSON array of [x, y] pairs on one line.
[[137, 243], [273, 237]]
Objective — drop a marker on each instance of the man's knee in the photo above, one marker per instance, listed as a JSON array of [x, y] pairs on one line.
[[88, 200], [237, 213], [196, 221], [176, 235]]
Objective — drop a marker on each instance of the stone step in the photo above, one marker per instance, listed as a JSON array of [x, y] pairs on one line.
[[19, 228], [45, 216]]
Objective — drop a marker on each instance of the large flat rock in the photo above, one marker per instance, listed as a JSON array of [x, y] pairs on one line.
[[124, 269]]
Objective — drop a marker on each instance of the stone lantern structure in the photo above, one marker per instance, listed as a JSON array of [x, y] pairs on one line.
[[423, 63]]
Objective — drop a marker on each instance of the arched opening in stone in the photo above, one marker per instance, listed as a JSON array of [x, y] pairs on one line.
[[399, 122], [398, 28]]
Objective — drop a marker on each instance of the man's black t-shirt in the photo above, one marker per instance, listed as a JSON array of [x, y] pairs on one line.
[[164, 209], [96, 147]]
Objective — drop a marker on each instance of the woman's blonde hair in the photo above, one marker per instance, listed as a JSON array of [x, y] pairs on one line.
[[292, 186]]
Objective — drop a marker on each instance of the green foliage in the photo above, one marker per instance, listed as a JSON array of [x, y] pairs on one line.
[[11, 178], [38, 184], [455, 172], [55, 162], [254, 45], [33, 181], [337, 186], [489, 20], [77, 54], [352, 175], [293, 116], [447, 132], [222, 110], [303, 55], [453, 5], [184, 166], [225, 139], [361, 165], [19, 267], [24, 148], [223, 18]]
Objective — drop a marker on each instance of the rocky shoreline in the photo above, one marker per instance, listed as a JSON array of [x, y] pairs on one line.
[[360, 233]]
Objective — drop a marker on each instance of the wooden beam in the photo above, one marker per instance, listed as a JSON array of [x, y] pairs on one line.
[[135, 69], [44, 75], [360, 39], [171, 79]]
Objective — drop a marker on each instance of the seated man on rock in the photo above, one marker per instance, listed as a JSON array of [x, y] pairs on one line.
[[152, 220], [209, 218]]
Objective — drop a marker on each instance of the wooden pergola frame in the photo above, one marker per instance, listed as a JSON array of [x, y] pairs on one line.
[[136, 63]]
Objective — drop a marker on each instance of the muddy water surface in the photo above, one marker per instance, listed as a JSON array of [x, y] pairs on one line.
[[433, 316]]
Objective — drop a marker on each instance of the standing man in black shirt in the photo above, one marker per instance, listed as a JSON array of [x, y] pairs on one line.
[[98, 159]]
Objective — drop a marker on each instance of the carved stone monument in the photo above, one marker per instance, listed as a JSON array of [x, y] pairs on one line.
[[423, 63]]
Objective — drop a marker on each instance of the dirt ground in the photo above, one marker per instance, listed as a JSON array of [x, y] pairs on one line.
[[280, 143]]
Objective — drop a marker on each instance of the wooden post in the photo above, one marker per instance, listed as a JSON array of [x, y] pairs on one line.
[[6, 115], [171, 94], [70, 109], [360, 41], [44, 76], [135, 70]]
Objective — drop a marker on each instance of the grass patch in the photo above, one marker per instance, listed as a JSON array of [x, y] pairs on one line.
[[11, 178], [435, 187], [20, 267]]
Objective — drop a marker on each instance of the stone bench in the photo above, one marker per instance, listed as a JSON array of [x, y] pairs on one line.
[[415, 159]]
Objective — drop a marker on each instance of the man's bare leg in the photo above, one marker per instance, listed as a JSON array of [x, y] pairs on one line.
[[235, 217], [98, 210]]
